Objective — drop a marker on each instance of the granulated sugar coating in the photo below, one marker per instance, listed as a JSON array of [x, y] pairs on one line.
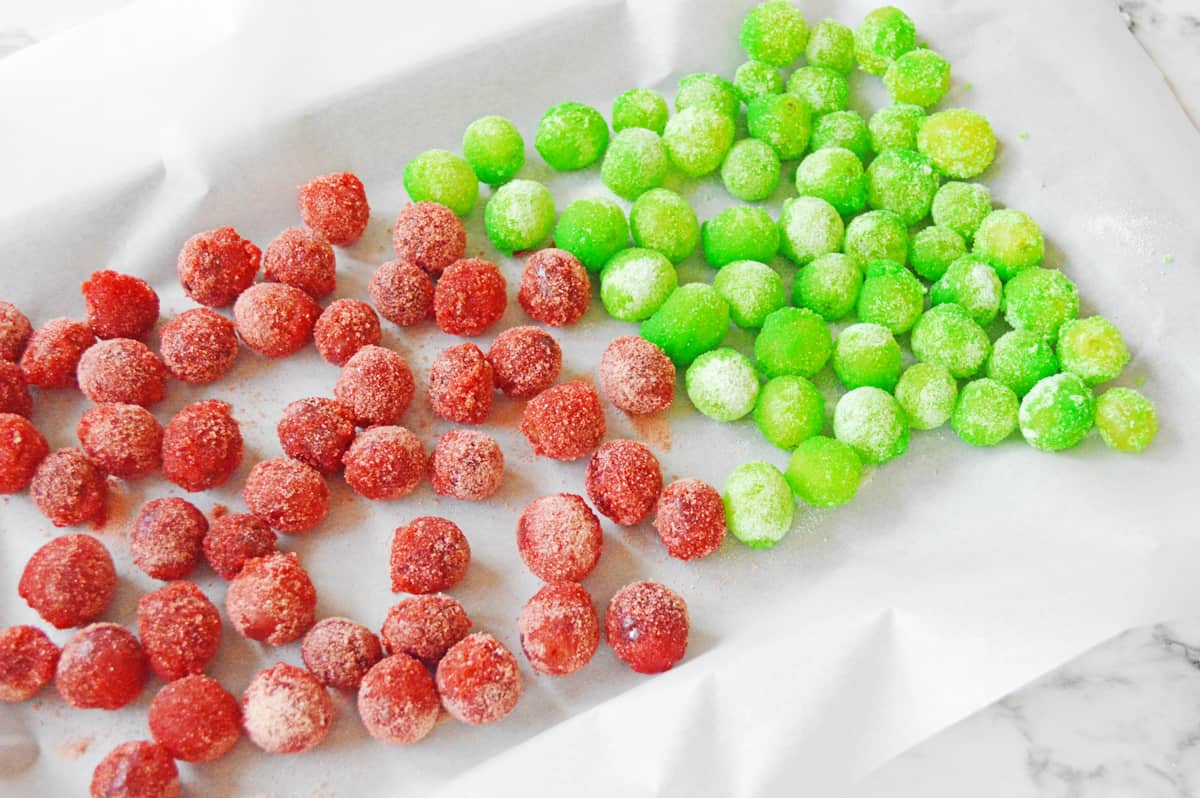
[[559, 629], [198, 346], [722, 384], [335, 206], [470, 297], [784, 121], [102, 667], [316, 431], [933, 249], [425, 627], [429, 555], [871, 422], [1092, 348], [14, 392], [217, 265], [593, 230], [970, 282], [867, 354], [466, 464], [122, 440], [339, 652], [637, 376], [519, 215], [903, 182], [195, 719], [774, 32], [303, 260], [697, 138], [1020, 358], [559, 538], [402, 293], [824, 472], [947, 335], [52, 354], [927, 392], [640, 108], [285, 710], [525, 361], [1057, 413], [759, 505], [884, 35], [274, 319], [272, 599], [564, 422], [290, 496], [1127, 421], [635, 282], [398, 701], [986, 412], [377, 385], [690, 519], [234, 539], [461, 385], [750, 171], [15, 330], [69, 581], [69, 489], [384, 463], [555, 288], [479, 680], [22, 448], [429, 236], [571, 136], [623, 481], [958, 141], [119, 305], [180, 629], [136, 770], [443, 177], [167, 538], [27, 662], [202, 446], [647, 626], [345, 327], [122, 370], [635, 162]]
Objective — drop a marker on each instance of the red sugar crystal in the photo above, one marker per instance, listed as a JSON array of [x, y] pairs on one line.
[[470, 297], [217, 265], [559, 538], [623, 481], [234, 539], [274, 319], [690, 519], [195, 719], [339, 652], [272, 599], [335, 206], [14, 391], [285, 710], [479, 679], [647, 626], [555, 288], [637, 376], [425, 627], [402, 293], [69, 581], [461, 385], [122, 440], [52, 355], [198, 346], [102, 667], [429, 555], [345, 327], [69, 489], [317, 432], [384, 463], [122, 370], [526, 361], [289, 495], [136, 770], [466, 464], [15, 330], [429, 235], [377, 385], [167, 538], [559, 629], [119, 305], [22, 448], [202, 446], [27, 662], [298, 258], [564, 422], [398, 701], [180, 629]]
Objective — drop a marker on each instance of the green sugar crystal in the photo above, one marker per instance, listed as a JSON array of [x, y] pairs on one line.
[[961, 207], [836, 176], [1010, 241], [842, 129], [824, 472], [640, 108], [876, 235], [867, 354], [722, 384], [1126, 419], [793, 341], [1057, 413], [592, 230], [1020, 358], [571, 136], [809, 227], [756, 78], [494, 148], [520, 215], [830, 45], [903, 182], [1041, 301], [751, 170], [635, 162], [829, 286], [443, 177], [919, 77], [789, 411], [782, 120], [890, 296], [971, 283], [706, 90], [894, 127], [959, 142], [884, 35], [753, 290], [661, 219], [1092, 348], [697, 139], [870, 421], [635, 283], [927, 393], [693, 320], [774, 32], [740, 232], [986, 412], [824, 90], [759, 505], [933, 249], [948, 336]]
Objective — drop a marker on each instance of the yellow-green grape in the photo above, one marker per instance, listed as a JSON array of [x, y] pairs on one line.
[[751, 170], [636, 161], [592, 230], [706, 90], [890, 296], [789, 411], [443, 177], [1126, 419], [959, 142], [1041, 301], [927, 393], [1020, 358], [635, 283], [740, 232], [756, 78], [1092, 348], [661, 219], [986, 412], [809, 227], [1010, 241], [824, 472], [948, 336], [824, 90], [894, 127], [1057, 413], [903, 182], [571, 136], [722, 384], [961, 207], [831, 45], [793, 341], [753, 290], [933, 249], [867, 354], [920, 77], [872, 423], [782, 120], [774, 32], [828, 286], [971, 283], [759, 506], [842, 129], [640, 108], [494, 148], [697, 139], [693, 320], [520, 215], [884, 35], [876, 235], [836, 176]]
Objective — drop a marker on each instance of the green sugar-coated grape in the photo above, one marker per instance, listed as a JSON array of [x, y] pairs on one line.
[[959, 142], [870, 421], [706, 90], [890, 296], [740, 232], [824, 472], [592, 230], [842, 129], [903, 182], [793, 341], [986, 412], [635, 283], [884, 35], [828, 286], [1126, 419], [971, 283], [774, 32], [443, 177], [494, 148], [927, 393], [948, 336], [894, 127], [753, 290], [782, 120], [809, 227], [1010, 241], [824, 90], [919, 77], [722, 384], [661, 219], [697, 139], [1041, 301], [756, 78], [1092, 348], [789, 411], [836, 176], [933, 249], [751, 170], [759, 505], [693, 320], [571, 136], [635, 162], [640, 108], [876, 235], [867, 354], [1021, 358], [520, 215], [961, 207], [830, 45], [1057, 413]]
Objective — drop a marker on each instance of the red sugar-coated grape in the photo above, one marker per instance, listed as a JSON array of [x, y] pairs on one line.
[[647, 626], [272, 599], [298, 258], [559, 629], [637, 376], [15, 330], [52, 355], [195, 719], [119, 305], [69, 581], [317, 432], [525, 360], [180, 630], [429, 555], [217, 265], [69, 489], [479, 679], [425, 627], [461, 385], [564, 422], [335, 206], [275, 320], [690, 519], [466, 464], [136, 770], [122, 440], [623, 481], [22, 448], [470, 297], [167, 538], [27, 661], [429, 235], [285, 710], [398, 701], [202, 446], [198, 346], [102, 667], [122, 370], [289, 495], [339, 652], [384, 463], [14, 391], [402, 293], [555, 288], [559, 538], [345, 327], [377, 385], [235, 539]]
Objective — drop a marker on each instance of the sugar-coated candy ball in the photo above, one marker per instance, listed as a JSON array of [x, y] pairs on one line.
[[272, 599], [69, 581], [402, 293], [985, 413], [933, 249], [429, 555], [275, 320], [289, 495], [1020, 358], [102, 666], [753, 290], [335, 206], [428, 235], [22, 449], [559, 629], [119, 305], [198, 346], [1010, 241], [891, 296], [571, 136], [525, 361], [693, 320], [756, 78], [623, 481], [919, 77], [759, 506], [217, 265], [835, 175], [302, 259], [903, 182], [640, 108], [751, 170], [471, 295], [871, 422], [167, 538], [722, 384], [1041, 301], [830, 45], [52, 355], [461, 384], [876, 235], [774, 32], [867, 354], [494, 148], [1092, 348], [122, 440], [845, 129], [637, 376], [809, 228], [555, 288], [384, 462], [823, 90], [1057, 413], [704, 89], [793, 341], [195, 719], [697, 138], [180, 630], [740, 232], [441, 176], [136, 770], [959, 142], [285, 710], [564, 422], [339, 652], [479, 680], [962, 207], [398, 701], [466, 464], [425, 627], [345, 327], [690, 519], [69, 489], [27, 661], [317, 432], [15, 330], [789, 410], [122, 370], [927, 392], [782, 120], [948, 336], [377, 386], [235, 539], [828, 286], [824, 472], [971, 283], [636, 282], [593, 230], [519, 215], [559, 538], [647, 626], [1127, 420], [895, 127], [14, 392], [884, 35]]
